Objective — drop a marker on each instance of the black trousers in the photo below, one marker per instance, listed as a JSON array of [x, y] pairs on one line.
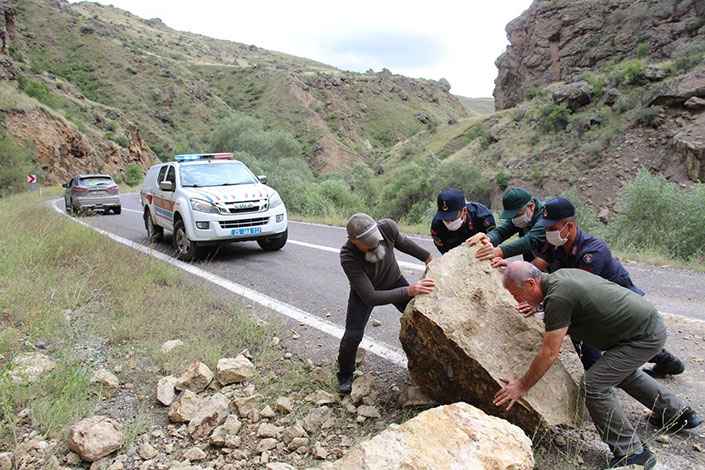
[[356, 319]]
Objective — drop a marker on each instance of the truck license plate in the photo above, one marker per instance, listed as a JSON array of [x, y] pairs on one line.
[[246, 231]]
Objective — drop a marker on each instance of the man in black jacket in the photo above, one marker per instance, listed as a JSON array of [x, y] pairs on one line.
[[375, 279]]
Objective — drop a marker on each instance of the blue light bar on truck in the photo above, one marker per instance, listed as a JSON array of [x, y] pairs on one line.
[[187, 157]]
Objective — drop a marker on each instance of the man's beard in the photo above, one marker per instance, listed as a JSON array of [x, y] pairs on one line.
[[372, 256]]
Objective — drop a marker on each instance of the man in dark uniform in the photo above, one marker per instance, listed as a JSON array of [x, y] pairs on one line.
[[622, 324], [521, 214], [457, 220], [569, 247], [375, 279]]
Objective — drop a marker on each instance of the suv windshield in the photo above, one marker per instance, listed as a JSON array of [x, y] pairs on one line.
[[216, 174]]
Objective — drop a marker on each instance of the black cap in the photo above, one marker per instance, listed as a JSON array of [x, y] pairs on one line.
[[450, 202], [554, 210]]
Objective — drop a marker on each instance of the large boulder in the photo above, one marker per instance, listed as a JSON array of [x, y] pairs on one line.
[[465, 335], [451, 436]]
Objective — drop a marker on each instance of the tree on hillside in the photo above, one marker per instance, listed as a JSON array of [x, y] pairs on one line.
[[15, 165], [274, 153]]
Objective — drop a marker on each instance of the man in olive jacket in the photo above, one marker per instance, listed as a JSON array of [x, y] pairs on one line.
[[521, 214], [619, 322]]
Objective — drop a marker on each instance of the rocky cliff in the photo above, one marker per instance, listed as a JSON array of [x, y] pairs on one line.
[[61, 149], [555, 41]]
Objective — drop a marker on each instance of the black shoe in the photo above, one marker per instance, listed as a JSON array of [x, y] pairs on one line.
[[666, 364], [345, 385], [687, 419], [646, 459]]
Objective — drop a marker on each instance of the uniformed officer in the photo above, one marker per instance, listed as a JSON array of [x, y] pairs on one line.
[[521, 214], [568, 246], [457, 220]]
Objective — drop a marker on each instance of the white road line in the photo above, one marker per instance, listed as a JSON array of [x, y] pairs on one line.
[[404, 264], [382, 350]]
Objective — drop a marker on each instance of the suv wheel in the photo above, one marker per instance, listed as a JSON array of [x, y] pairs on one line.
[[273, 244], [117, 210], [154, 232], [185, 248]]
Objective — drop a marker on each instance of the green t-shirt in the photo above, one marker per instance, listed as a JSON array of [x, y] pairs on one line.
[[596, 311]]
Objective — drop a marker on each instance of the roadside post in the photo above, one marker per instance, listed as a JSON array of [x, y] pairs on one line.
[[32, 180]]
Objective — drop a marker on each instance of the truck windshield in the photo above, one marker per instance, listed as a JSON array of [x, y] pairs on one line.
[[216, 174]]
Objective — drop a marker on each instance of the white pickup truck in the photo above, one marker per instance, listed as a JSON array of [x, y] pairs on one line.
[[206, 199]]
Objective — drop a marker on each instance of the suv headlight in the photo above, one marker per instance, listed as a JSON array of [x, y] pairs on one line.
[[275, 200], [200, 205]]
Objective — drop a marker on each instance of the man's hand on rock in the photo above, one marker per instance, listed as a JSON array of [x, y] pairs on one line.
[[525, 309], [477, 238], [511, 393], [489, 251], [423, 286]]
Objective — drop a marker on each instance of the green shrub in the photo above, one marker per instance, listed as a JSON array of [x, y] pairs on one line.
[[15, 164], [688, 56], [15, 53], [478, 132], [553, 117], [597, 82], [133, 175], [655, 214], [37, 90], [502, 180], [332, 197], [122, 141], [635, 73], [647, 116], [462, 176], [538, 173], [407, 186], [642, 50]]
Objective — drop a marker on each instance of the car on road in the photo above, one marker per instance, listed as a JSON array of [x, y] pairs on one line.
[[209, 199], [92, 192]]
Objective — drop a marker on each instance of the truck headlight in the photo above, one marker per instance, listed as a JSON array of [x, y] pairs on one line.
[[201, 205], [274, 200]]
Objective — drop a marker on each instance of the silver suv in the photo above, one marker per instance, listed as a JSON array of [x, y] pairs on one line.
[[92, 193], [206, 199]]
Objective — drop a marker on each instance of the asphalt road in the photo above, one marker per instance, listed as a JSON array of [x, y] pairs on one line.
[[306, 285]]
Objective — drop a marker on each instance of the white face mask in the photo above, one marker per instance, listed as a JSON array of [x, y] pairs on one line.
[[523, 220], [554, 237], [453, 225]]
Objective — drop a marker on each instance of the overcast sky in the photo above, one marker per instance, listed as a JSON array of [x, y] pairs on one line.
[[458, 41]]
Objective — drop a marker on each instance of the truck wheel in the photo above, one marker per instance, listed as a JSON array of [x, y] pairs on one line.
[[185, 248], [154, 232], [273, 244]]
